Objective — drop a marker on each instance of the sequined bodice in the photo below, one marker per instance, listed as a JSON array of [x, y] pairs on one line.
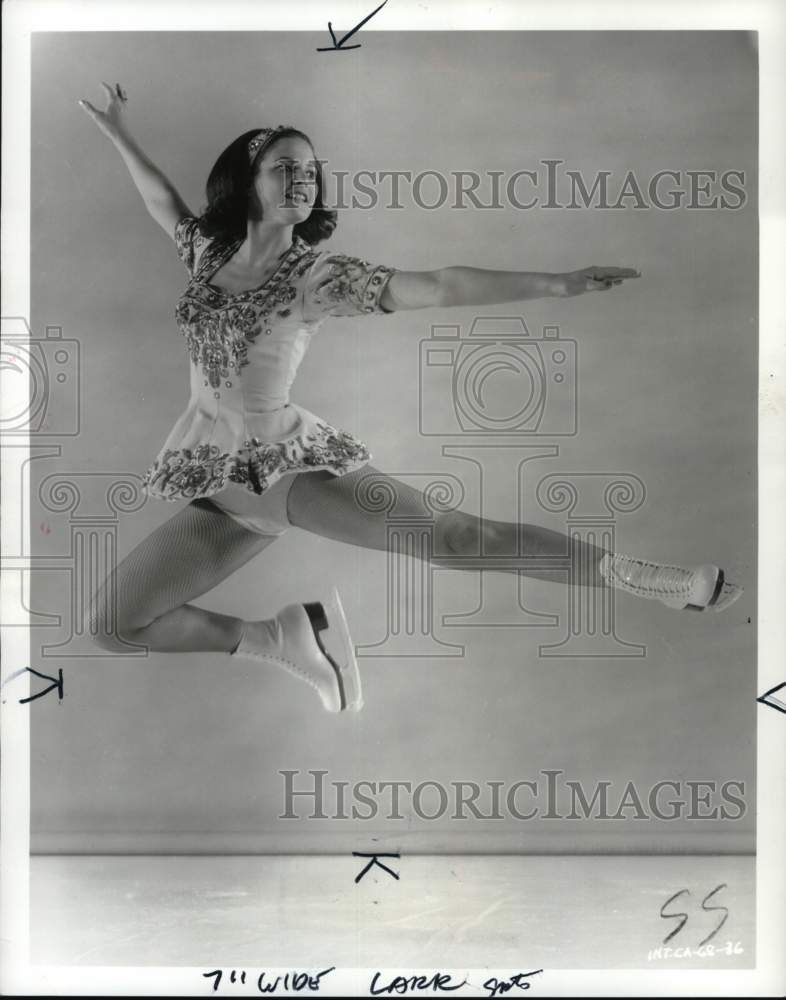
[[247, 346], [245, 349]]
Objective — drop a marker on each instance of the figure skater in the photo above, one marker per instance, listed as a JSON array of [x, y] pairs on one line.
[[252, 463]]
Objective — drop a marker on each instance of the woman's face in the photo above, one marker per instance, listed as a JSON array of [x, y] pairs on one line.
[[285, 184]]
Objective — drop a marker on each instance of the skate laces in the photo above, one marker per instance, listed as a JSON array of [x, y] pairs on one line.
[[651, 578]]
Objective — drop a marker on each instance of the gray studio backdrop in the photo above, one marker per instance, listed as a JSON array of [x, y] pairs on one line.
[[183, 752]]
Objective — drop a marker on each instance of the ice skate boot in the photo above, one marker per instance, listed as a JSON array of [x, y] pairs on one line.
[[694, 589], [292, 640]]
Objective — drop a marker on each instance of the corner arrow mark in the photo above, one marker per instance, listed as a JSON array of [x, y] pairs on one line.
[[338, 44], [779, 704], [57, 682], [375, 861]]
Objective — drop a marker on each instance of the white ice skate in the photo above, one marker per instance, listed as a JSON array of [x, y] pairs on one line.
[[694, 589], [292, 640]]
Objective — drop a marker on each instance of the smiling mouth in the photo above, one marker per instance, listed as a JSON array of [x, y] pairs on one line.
[[298, 197]]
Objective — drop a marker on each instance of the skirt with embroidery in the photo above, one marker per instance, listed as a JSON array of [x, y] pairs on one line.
[[199, 457]]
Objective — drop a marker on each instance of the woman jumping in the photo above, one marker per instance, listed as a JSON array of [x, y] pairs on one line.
[[252, 463]]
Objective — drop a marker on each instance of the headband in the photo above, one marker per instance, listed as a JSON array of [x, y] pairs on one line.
[[261, 138]]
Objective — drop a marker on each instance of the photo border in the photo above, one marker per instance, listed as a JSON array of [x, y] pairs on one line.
[[768, 18]]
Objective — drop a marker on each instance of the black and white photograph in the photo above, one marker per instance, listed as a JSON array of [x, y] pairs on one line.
[[393, 474]]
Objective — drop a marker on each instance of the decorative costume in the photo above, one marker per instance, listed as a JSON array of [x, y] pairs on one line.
[[245, 348]]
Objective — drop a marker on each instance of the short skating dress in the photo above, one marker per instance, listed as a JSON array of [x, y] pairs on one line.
[[245, 349]]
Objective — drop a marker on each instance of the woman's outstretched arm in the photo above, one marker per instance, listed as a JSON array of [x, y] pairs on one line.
[[159, 195], [474, 286]]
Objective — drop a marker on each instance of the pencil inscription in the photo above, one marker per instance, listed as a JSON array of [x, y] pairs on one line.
[[496, 987], [290, 982], [683, 917], [438, 982]]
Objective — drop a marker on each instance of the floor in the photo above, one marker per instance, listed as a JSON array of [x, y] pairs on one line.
[[567, 912]]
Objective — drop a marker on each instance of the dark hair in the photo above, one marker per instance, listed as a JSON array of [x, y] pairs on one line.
[[228, 186]]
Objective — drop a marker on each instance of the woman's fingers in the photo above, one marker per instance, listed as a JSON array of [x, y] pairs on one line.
[[596, 279], [88, 108], [115, 93], [606, 277], [602, 273], [603, 283]]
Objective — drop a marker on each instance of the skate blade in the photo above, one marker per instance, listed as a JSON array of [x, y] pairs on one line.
[[346, 665], [723, 596], [729, 593]]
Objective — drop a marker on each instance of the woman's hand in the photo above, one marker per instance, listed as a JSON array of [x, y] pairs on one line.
[[111, 122], [592, 279], [159, 195]]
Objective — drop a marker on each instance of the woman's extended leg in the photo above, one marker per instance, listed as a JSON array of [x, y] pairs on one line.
[[145, 599], [328, 505]]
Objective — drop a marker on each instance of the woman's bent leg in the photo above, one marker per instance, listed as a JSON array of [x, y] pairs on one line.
[[145, 599]]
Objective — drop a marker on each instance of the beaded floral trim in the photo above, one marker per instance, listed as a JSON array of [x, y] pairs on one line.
[[351, 281], [217, 337], [185, 473], [219, 325]]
